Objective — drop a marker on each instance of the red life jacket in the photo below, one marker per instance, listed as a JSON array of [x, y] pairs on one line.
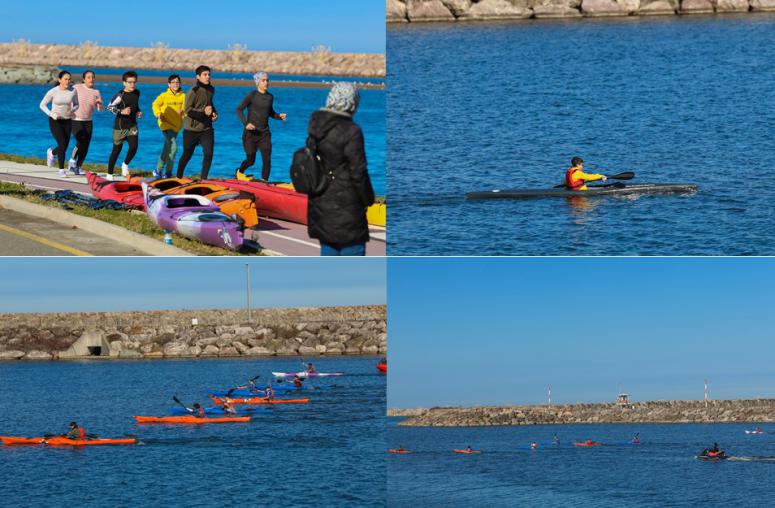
[[81, 433], [201, 412], [572, 183]]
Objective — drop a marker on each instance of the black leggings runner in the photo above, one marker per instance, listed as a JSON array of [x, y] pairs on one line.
[[61, 130], [132, 142], [190, 140], [252, 142], [82, 131]]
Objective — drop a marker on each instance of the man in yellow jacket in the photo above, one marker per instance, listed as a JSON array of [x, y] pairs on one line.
[[168, 109], [576, 178]]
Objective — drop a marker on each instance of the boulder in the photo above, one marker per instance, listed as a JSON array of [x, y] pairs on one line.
[[307, 350], [116, 347], [242, 330], [265, 334], [496, 9], [11, 355], [427, 10], [320, 349], [154, 354], [370, 350], [175, 349], [194, 351], [763, 5], [239, 346], [352, 350], [457, 7], [129, 353], [603, 8], [395, 11], [206, 341], [228, 351], [732, 6], [258, 351], [210, 350], [696, 7], [658, 7], [288, 349]]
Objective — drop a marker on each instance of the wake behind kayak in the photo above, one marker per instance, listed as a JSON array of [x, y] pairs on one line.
[[592, 190]]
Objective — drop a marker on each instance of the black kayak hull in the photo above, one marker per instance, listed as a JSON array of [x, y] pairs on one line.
[[593, 190]]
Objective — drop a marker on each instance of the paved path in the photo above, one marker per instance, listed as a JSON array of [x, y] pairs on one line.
[[287, 238]]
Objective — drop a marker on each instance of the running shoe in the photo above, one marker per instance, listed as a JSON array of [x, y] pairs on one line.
[[63, 173], [71, 164], [156, 174], [124, 169], [76, 171], [168, 175], [109, 177], [50, 157]]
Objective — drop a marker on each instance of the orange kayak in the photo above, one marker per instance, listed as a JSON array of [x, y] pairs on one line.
[[393, 450], [467, 451], [190, 419], [260, 400], [63, 441], [588, 443]]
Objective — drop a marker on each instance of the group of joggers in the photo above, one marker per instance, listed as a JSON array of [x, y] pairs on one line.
[[337, 217]]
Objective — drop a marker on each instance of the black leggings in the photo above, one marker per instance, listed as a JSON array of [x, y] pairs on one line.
[[132, 142], [252, 142], [61, 130], [190, 140], [82, 132]]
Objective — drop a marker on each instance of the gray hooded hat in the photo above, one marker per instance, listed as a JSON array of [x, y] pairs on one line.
[[343, 99]]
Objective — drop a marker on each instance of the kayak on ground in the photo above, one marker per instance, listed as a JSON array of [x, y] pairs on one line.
[[220, 411], [230, 202], [193, 420], [63, 441], [127, 193], [307, 374], [592, 190], [259, 400]]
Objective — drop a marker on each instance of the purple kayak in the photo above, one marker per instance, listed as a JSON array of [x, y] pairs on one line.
[[196, 217]]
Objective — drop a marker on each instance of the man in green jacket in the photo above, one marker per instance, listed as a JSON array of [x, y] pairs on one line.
[[200, 114]]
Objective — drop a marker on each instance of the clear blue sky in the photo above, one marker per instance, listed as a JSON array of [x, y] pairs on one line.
[[104, 284], [472, 331], [356, 26]]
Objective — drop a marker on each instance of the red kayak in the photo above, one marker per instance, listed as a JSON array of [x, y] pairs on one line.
[[272, 200], [588, 443], [398, 450], [127, 193]]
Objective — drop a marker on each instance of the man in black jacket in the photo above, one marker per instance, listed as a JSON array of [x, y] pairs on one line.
[[198, 123], [256, 136], [337, 217]]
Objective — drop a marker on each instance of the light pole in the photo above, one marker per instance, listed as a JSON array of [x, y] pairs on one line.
[[247, 287]]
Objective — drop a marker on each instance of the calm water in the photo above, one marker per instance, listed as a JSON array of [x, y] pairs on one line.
[[661, 471], [327, 453], [26, 129], [477, 107]]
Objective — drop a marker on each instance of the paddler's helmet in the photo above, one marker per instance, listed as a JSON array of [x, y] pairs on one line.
[[73, 424], [576, 161]]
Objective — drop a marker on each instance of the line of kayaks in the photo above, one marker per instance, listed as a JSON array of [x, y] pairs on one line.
[[304, 374], [63, 441], [245, 411], [258, 400], [592, 190]]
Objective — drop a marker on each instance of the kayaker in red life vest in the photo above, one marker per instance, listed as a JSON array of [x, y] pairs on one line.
[[576, 179], [197, 410], [76, 432], [311, 368], [297, 381], [636, 438]]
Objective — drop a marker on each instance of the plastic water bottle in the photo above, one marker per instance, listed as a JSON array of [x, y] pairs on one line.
[[167, 237]]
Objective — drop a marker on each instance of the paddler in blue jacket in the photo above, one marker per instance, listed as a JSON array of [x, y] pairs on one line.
[[576, 179]]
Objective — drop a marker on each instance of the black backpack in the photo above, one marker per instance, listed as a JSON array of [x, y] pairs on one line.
[[308, 172]]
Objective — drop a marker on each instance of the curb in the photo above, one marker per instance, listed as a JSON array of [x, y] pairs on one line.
[[140, 242]]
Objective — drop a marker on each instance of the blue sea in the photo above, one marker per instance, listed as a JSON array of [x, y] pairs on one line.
[[661, 471], [26, 129], [507, 105], [329, 452]]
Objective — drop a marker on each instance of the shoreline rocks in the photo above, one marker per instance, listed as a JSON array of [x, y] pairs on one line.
[[675, 411], [423, 11], [36, 74], [329, 331], [320, 61]]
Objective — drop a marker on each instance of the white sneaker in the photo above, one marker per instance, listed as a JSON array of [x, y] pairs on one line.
[[76, 171], [109, 177], [50, 157], [63, 173], [124, 170], [71, 165]]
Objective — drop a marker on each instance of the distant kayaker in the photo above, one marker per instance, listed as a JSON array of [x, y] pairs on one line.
[[337, 216], [76, 432], [311, 368], [297, 381], [469, 449], [198, 411], [269, 393], [555, 439], [636, 438], [576, 179], [533, 445], [228, 408]]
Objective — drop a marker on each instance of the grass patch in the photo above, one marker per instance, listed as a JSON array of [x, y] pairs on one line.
[[133, 221]]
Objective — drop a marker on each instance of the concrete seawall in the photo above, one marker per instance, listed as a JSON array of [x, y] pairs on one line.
[[676, 411], [318, 62], [402, 11], [326, 331]]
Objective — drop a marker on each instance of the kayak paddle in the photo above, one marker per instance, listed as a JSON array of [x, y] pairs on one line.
[[627, 175], [178, 401]]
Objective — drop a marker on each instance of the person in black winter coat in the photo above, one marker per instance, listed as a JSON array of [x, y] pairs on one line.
[[337, 217]]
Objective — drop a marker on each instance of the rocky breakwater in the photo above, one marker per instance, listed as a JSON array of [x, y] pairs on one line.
[[676, 411], [174, 334], [401, 11], [318, 61], [37, 74]]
